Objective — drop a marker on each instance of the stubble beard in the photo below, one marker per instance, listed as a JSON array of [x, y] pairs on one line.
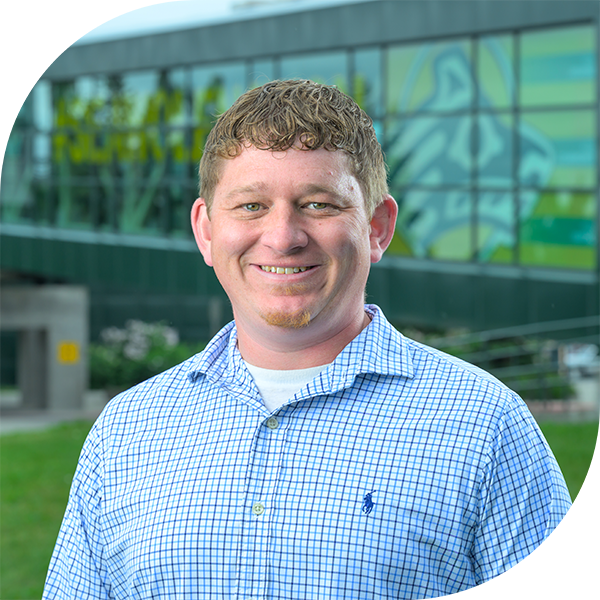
[[288, 320]]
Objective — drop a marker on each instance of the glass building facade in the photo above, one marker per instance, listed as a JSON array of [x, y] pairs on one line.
[[491, 143]]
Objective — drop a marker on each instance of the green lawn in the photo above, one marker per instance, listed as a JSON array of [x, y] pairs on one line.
[[36, 471], [35, 476], [573, 446]]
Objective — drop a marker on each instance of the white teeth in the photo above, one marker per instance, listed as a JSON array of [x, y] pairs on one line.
[[284, 270]]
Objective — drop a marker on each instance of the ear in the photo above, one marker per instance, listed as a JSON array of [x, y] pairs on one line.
[[202, 228], [382, 228]]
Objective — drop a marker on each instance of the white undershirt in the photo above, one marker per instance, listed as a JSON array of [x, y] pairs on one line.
[[276, 387]]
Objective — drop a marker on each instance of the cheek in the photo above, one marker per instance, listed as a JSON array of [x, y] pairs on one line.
[[355, 240]]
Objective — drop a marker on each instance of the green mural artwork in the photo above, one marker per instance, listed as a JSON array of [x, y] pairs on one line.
[[473, 180]]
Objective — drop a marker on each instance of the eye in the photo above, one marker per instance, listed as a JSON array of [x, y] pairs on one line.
[[318, 205], [252, 206]]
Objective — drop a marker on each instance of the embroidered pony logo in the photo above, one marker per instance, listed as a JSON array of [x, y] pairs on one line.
[[368, 503]]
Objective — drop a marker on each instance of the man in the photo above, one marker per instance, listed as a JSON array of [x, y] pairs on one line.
[[311, 451]]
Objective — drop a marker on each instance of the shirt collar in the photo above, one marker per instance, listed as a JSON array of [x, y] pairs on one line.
[[378, 349]]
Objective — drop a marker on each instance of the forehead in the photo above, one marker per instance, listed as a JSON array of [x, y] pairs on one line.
[[278, 170]]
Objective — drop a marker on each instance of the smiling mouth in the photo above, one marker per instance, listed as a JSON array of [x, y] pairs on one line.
[[284, 270]]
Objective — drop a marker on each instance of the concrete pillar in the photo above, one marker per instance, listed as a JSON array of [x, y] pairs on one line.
[[53, 322], [32, 375]]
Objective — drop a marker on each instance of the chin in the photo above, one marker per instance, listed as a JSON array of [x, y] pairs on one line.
[[287, 320]]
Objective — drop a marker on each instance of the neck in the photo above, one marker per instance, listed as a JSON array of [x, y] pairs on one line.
[[285, 349]]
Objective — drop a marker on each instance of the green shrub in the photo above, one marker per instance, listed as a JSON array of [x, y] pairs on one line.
[[141, 350]]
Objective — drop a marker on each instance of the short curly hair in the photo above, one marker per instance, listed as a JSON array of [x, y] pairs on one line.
[[279, 114]]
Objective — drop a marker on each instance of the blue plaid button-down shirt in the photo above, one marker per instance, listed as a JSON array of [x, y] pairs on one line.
[[398, 472]]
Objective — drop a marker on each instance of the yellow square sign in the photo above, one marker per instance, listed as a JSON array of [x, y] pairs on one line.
[[68, 352]]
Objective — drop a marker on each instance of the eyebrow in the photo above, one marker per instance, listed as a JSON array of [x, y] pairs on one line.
[[252, 188], [310, 189]]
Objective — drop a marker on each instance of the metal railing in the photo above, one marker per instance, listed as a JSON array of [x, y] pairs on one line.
[[538, 361]]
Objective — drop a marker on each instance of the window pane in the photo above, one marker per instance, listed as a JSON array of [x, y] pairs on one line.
[[330, 68], [179, 196], [495, 72], [560, 229], [215, 89], [137, 91], [436, 224], [261, 72], [15, 191], [558, 149], [139, 204], [495, 150], [432, 151], [367, 81], [558, 67], [172, 99], [432, 77], [42, 105], [42, 153], [179, 163], [75, 207], [495, 226]]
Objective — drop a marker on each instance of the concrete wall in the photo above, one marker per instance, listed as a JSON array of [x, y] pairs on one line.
[[52, 322]]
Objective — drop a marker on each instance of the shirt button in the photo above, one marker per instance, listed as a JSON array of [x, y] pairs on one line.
[[258, 508], [272, 423]]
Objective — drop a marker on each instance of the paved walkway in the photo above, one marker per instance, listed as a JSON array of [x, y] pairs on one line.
[[14, 419]]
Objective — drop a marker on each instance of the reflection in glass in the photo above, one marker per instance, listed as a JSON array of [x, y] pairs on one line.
[[430, 77], [558, 66], [324, 67], [15, 191], [495, 150], [366, 88], [215, 89], [558, 229], [436, 224], [106, 213], [137, 90], [41, 155], [179, 197], [495, 72], [172, 99], [177, 143], [495, 226], [261, 72], [430, 151], [75, 209], [140, 189], [42, 105], [558, 149]]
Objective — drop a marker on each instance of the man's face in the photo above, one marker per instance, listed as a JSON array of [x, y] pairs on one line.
[[289, 238]]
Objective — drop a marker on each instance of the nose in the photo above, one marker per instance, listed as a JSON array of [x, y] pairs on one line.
[[284, 230]]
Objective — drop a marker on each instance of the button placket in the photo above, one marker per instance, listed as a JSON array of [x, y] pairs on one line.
[[262, 484]]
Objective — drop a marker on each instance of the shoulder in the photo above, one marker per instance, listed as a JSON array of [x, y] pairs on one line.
[[428, 366], [172, 392], [159, 406]]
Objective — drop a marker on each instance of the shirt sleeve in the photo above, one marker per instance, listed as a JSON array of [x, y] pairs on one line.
[[76, 569], [523, 495]]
